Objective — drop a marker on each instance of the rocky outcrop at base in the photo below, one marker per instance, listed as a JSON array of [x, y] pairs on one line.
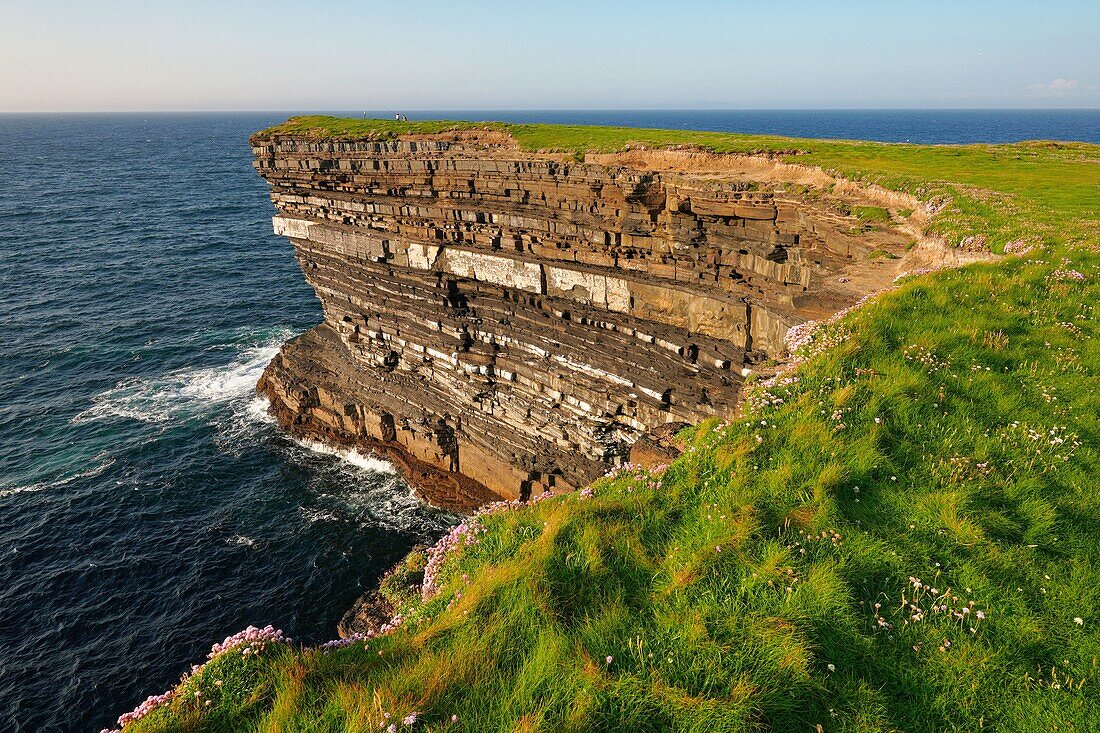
[[317, 393], [367, 616], [659, 446]]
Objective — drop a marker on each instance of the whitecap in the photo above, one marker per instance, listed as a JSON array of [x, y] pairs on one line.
[[258, 410], [185, 392], [314, 514], [365, 490], [349, 455], [237, 429], [57, 483], [29, 488]]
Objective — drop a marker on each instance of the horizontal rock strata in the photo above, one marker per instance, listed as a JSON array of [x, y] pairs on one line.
[[501, 323]]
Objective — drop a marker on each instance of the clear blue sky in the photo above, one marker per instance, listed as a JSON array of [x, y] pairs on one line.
[[467, 54]]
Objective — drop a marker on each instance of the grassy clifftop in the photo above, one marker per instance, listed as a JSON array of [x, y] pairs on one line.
[[1027, 190], [903, 534]]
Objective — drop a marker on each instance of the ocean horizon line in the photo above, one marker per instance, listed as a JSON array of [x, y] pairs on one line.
[[423, 110]]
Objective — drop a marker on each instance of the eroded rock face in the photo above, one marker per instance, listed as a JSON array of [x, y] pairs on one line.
[[502, 323]]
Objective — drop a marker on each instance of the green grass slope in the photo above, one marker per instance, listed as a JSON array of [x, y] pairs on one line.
[[903, 533]]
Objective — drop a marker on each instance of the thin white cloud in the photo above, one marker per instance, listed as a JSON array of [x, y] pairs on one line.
[[1063, 84], [1054, 88]]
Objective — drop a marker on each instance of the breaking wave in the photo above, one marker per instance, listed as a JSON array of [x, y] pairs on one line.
[[6, 491], [363, 490], [348, 455], [185, 393]]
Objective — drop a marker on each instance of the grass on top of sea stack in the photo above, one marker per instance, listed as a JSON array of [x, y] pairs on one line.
[[1031, 191], [901, 535]]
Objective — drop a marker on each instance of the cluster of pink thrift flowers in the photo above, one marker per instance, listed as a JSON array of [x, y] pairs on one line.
[[649, 475], [619, 470], [408, 720], [826, 538], [924, 599], [1047, 447], [799, 335], [465, 535], [341, 643], [1072, 328], [150, 704], [392, 625], [925, 357], [1064, 274], [772, 392], [253, 641], [803, 334], [1018, 247]]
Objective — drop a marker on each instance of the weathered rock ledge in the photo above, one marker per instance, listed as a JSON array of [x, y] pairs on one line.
[[499, 322]]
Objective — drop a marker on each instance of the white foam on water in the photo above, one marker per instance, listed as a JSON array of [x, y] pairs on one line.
[[314, 515], [237, 429], [374, 505], [257, 410], [367, 491], [184, 392], [348, 455], [41, 485]]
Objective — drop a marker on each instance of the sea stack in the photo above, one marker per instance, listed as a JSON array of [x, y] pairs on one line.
[[499, 322]]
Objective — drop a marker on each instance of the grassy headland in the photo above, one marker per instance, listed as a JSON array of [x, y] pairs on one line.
[[903, 533], [1028, 190]]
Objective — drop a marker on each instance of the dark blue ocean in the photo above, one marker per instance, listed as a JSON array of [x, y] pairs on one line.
[[933, 127], [148, 506]]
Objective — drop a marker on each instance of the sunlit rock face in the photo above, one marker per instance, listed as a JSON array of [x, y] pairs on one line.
[[499, 323]]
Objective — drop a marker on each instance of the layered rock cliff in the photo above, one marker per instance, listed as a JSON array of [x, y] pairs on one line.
[[500, 323]]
